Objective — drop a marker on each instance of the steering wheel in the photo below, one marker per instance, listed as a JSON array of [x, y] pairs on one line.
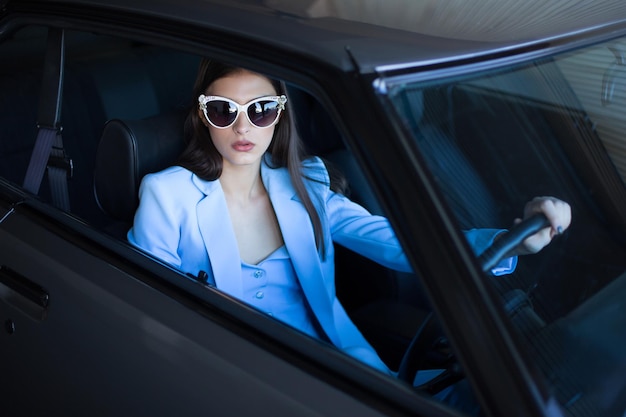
[[424, 342], [507, 242]]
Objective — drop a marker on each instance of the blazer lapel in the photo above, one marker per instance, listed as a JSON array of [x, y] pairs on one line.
[[297, 230], [219, 238]]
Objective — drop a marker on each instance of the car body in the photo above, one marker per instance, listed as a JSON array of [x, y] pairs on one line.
[[443, 115]]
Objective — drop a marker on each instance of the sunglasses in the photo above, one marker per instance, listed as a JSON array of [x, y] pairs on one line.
[[222, 112]]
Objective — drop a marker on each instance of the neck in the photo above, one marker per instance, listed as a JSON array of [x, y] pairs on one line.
[[242, 183]]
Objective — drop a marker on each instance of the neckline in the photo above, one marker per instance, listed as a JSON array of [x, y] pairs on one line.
[[278, 253]]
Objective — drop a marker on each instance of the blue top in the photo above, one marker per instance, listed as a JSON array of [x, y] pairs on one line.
[[272, 286]]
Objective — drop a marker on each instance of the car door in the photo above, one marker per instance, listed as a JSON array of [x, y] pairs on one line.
[[87, 332]]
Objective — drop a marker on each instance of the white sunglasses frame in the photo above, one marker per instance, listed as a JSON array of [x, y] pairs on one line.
[[242, 108]]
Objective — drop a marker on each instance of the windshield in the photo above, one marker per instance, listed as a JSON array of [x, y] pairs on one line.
[[551, 127]]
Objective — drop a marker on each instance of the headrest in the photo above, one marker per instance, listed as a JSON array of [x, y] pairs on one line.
[[128, 150]]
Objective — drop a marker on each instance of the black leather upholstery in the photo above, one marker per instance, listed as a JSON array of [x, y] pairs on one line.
[[128, 150]]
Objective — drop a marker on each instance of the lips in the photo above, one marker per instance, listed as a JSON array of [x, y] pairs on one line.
[[243, 146]]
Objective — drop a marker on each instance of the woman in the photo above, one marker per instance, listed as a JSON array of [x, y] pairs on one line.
[[244, 204]]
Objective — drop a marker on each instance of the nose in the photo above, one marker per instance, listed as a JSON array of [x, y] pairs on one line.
[[241, 124]]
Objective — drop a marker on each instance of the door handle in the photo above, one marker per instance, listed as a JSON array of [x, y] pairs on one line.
[[23, 294]]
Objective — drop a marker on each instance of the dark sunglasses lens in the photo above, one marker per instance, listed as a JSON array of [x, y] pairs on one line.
[[221, 113], [263, 113]]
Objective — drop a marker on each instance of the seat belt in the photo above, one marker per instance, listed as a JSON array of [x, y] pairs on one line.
[[48, 151]]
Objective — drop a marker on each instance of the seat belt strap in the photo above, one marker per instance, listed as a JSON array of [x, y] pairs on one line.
[[48, 151], [39, 159], [60, 170]]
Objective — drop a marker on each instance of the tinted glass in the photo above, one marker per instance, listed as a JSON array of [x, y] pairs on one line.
[[263, 113], [493, 140]]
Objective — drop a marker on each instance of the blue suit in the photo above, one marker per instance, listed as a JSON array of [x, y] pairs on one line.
[[184, 221]]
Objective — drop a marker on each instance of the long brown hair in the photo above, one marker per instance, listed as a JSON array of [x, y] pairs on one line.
[[286, 149]]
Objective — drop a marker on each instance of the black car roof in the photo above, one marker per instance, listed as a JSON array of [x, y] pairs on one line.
[[379, 34]]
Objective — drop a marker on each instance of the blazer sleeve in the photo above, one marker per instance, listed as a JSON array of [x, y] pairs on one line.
[[369, 235], [372, 236], [156, 228]]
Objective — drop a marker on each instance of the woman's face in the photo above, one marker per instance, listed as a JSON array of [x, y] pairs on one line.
[[242, 143]]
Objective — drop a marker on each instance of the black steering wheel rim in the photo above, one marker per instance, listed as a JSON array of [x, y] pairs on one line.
[[506, 243]]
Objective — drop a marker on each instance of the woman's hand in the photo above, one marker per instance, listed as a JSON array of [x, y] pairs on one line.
[[559, 215]]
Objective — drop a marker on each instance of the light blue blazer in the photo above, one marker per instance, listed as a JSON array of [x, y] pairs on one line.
[[184, 221]]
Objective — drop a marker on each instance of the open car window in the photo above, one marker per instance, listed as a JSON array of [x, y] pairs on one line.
[[553, 126]]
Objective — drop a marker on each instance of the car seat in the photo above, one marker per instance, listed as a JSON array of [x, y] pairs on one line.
[[128, 150]]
